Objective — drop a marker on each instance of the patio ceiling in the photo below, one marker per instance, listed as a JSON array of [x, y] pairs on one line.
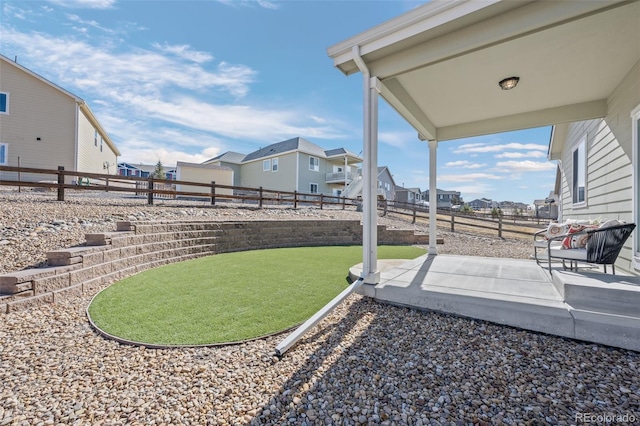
[[439, 65]]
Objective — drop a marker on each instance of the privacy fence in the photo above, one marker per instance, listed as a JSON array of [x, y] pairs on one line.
[[150, 189]]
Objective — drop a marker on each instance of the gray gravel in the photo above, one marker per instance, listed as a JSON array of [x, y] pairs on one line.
[[366, 363]]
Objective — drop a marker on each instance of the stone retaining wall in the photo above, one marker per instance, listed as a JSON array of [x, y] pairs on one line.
[[137, 246]]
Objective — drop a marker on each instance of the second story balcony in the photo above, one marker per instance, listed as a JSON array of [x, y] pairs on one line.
[[339, 177]]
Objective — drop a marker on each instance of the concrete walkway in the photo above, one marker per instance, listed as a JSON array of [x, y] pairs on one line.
[[518, 293]]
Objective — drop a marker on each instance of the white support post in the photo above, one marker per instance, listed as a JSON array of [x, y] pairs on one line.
[[370, 184], [433, 197]]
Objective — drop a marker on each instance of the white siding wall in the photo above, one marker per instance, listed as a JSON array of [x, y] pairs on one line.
[[609, 166]]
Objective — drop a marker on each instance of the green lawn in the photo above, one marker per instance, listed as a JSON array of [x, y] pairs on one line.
[[229, 297]]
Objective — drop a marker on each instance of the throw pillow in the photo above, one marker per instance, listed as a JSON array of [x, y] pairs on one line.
[[556, 229]]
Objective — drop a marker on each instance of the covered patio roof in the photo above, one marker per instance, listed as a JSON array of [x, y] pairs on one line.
[[439, 65]]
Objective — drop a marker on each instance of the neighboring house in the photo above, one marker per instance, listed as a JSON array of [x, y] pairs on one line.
[[482, 203], [44, 126], [548, 207], [203, 173], [293, 165], [386, 184], [230, 159], [145, 170], [407, 195], [600, 165], [446, 199]]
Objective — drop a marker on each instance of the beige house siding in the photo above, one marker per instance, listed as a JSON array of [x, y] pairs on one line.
[[609, 182], [203, 173], [36, 110], [43, 125], [92, 153]]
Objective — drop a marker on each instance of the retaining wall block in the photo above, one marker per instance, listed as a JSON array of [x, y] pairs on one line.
[[123, 226], [86, 274], [21, 304], [49, 284], [67, 293]]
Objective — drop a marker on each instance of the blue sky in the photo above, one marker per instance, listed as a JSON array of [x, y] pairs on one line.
[[188, 80]]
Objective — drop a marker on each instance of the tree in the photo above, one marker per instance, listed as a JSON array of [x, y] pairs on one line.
[[159, 171], [466, 209], [496, 212]]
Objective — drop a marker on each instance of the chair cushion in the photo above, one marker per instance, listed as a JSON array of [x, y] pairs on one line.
[[577, 241], [572, 254]]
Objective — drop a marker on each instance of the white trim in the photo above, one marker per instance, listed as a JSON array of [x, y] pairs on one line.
[[6, 154], [576, 202], [7, 99], [635, 161], [311, 189], [316, 166]]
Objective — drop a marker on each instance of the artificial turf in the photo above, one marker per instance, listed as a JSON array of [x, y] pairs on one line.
[[229, 297]]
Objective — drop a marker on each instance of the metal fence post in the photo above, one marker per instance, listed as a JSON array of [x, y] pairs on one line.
[[150, 193], [295, 199], [213, 192], [60, 183], [260, 191]]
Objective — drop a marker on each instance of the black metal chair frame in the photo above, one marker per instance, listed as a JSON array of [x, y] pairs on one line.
[[603, 246]]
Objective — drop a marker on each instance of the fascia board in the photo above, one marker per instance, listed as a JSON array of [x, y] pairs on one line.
[[419, 20]]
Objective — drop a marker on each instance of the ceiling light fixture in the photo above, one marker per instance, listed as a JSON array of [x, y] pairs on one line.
[[509, 83]]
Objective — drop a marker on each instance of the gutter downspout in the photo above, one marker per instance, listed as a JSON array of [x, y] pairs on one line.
[[291, 339], [370, 271]]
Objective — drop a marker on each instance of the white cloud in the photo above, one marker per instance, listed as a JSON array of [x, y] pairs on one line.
[[469, 177], [398, 139], [262, 3], [531, 154], [85, 4], [93, 24], [184, 51], [476, 190], [525, 166], [484, 147], [464, 164]]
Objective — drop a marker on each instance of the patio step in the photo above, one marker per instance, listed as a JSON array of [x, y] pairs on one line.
[[137, 246], [605, 308]]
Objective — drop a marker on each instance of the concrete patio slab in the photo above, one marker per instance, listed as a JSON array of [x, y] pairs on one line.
[[518, 293]]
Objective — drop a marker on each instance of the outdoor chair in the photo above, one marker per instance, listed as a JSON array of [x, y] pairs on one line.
[[540, 243], [603, 245]]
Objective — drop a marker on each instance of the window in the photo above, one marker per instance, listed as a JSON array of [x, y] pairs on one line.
[[635, 138], [95, 138], [274, 164], [580, 172], [266, 165], [314, 164], [101, 141], [313, 188], [3, 154], [4, 103]]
